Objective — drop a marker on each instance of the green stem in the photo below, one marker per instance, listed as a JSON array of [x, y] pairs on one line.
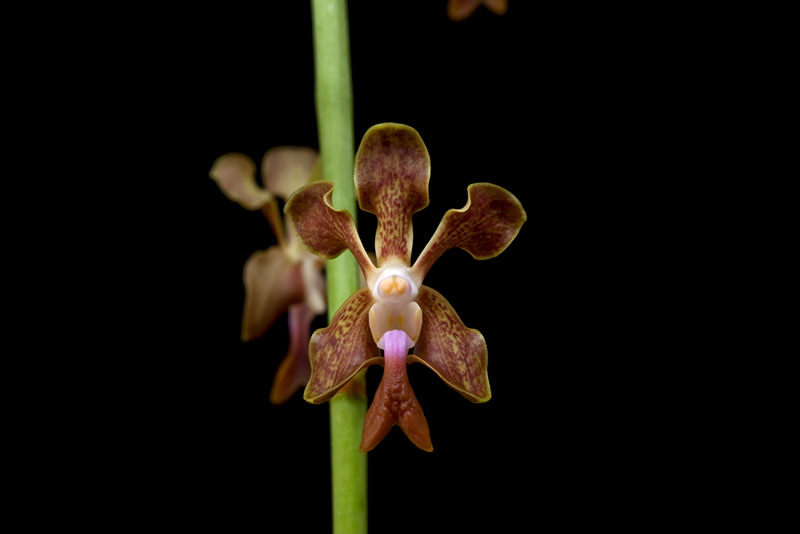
[[334, 101]]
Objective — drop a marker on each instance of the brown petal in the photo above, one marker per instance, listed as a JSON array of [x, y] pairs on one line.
[[484, 227], [272, 282], [342, 349], [295, 369], [326, 231], [461, 9], [286, 169], [498, 7], [235, 175], [392, 169], [454, 352]]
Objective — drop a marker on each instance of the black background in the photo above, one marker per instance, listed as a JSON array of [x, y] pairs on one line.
[[566, 108]]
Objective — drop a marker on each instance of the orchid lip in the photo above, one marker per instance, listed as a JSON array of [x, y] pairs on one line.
[[385, 317]]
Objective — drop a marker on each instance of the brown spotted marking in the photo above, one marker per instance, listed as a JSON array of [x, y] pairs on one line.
[[484, 227], [326, 231], [392, 170], [456, 353], [342, 349]]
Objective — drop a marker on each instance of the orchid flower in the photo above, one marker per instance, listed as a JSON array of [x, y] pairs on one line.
[[284, 277], [395, 312], [461, 9]]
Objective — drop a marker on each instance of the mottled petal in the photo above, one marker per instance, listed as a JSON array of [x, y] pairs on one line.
[[272, 282], [326, 231], [484, 227], [342, 349], [295, 369], [456, 353], [288, 168], [235, 175], [392, 170], [394, 402]]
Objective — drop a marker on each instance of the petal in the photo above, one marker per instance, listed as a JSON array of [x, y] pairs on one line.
[[461, 9], [498, 7], [394, 402], [272, 282], [342, 349], [314, 282], [235, 175], [326, 231], [484, 227], [392, 169], [288, 168], [295, 369], [454, 352]]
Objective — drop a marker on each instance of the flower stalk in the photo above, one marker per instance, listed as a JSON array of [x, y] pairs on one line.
[[334, 105]]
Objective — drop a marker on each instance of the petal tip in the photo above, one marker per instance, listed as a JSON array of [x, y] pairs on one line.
[[235, 175]]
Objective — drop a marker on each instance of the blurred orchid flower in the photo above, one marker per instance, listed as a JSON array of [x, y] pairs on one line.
[[395, 312], [462, 9], [284, 277]]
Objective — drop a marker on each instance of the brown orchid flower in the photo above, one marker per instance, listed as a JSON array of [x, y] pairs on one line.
[[395, 312], [284, 277], [462, 9]]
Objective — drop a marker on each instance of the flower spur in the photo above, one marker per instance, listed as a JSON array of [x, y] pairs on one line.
[[395, 312]]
